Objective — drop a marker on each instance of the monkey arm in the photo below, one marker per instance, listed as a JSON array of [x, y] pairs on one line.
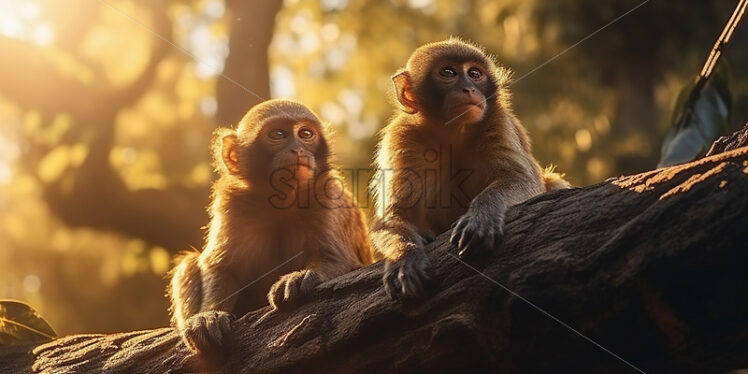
[[406, 268], [295, 286], [394, 235], [399, 203], [338, 254], [343, 247], [481, 228], [503, 193]]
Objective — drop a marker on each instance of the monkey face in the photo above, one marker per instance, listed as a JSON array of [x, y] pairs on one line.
[[294, 146], [278, 143], [453, 90], [459, 91]]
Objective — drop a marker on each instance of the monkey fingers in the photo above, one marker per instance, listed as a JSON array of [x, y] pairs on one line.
[[207, 332], [477, 234], [293, 287], [406, 277]]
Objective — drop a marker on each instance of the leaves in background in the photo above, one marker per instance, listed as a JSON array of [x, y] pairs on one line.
[[689, 139], [21, 324]]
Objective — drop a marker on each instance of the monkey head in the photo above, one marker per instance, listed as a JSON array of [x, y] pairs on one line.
[[450, 82], [275, 139]]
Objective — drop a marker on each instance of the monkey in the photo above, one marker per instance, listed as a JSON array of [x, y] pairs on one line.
[[453, 157], [279, 206]]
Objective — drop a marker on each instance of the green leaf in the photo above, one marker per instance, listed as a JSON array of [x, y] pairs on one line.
[[21, 324], [708, 120]]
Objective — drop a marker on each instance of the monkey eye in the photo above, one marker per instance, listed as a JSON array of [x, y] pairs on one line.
[[448, 72], [475, 73], [277, 134], [306, 133]]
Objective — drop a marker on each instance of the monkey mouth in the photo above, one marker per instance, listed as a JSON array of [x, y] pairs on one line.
[[300, 164], [305, 164], [480, 104]]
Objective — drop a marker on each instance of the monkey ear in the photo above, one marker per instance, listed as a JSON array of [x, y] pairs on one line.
[[230, 152], [404, 92]]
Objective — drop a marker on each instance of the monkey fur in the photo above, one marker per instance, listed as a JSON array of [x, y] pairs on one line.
[[278, 207], [454, 156]]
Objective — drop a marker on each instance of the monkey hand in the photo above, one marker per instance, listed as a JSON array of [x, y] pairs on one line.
[[407, 276], [207, 332], [293, 287], [477, 232]]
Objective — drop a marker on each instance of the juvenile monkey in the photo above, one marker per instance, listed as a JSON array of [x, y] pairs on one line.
[[278, 207], [454, 151]]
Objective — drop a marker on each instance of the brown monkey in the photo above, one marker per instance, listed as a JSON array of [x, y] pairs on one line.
[[278, 207], [453, 152]]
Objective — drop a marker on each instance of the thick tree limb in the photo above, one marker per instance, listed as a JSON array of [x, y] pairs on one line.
[[651, 266]]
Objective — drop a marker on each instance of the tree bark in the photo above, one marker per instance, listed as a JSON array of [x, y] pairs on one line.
[[652, 267]]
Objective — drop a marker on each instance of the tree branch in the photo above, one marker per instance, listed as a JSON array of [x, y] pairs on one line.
[[649, 266]]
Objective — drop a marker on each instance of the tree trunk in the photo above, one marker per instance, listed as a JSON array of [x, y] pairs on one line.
[[246, 81], [652, 267]]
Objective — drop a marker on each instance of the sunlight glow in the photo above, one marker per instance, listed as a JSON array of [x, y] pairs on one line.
[[332, 5], [208, 106], [204, 37], [282, 82], [43, 35], [426, 6], [330, 32], [602, 124], [9, 152], [5, 174], [363, 129], [32, 283], [583, 139], [20, 20], [214, 9], [332, 113]]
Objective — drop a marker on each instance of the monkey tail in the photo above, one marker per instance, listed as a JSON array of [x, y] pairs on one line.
[[552, 180], [185, 288]]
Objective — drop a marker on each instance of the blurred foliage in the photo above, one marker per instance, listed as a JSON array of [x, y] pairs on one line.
[[21, 324], [104, 127]]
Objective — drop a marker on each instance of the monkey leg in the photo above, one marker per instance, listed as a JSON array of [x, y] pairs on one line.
[[207, 332], [192, 293], [185, 289]]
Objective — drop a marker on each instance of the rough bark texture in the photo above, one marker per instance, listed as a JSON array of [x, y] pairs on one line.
[[652, 267], [729, 142]]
